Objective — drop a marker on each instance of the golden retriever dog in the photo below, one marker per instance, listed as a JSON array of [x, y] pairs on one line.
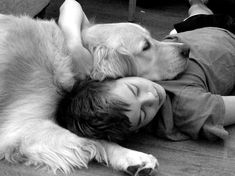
[[127, 49], [34, 66]]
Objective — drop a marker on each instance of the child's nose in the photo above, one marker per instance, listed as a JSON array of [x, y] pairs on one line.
[[148, 99]]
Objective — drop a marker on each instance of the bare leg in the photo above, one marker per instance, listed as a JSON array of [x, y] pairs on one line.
[[198, 7]]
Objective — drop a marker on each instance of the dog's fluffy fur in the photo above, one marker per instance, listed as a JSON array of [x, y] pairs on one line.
[[34, 66], [127, 49]]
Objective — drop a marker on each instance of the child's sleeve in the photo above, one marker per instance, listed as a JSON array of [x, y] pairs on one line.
[[198, 112], [191, 113]]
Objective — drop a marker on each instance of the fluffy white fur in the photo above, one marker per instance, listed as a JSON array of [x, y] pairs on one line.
[[34, 66]]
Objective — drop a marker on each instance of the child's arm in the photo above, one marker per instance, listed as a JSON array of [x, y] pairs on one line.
[[229, 102], [71, 21]]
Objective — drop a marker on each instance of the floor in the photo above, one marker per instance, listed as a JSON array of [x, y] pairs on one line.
[[158, 18], [188, 158]]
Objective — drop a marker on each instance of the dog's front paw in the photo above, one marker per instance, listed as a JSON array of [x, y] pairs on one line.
[[141, 171], [130, 161], [142, 164], [134, 163]]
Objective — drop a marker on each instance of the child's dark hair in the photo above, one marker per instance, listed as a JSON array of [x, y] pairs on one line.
[[89, 110]]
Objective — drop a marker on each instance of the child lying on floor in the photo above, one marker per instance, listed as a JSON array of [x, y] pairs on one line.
[[198, 103]]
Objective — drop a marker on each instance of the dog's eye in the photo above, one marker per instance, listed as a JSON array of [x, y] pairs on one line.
[[147, 45]]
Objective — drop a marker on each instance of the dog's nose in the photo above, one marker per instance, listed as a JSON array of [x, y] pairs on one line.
[[185, 52]]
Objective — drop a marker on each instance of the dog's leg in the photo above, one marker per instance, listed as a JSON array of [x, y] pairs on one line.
[[28, 135], [62, 150], [41, 142], [129, 161]]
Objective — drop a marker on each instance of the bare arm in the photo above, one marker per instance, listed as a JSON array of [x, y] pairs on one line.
[[229, 102], [71, 21]]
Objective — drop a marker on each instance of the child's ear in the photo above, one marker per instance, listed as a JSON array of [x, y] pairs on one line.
[[112, 63]]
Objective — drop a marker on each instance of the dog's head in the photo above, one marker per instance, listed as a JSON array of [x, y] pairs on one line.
[[127, 49]]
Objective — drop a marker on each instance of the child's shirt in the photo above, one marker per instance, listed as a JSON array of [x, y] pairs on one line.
[[194, 105]]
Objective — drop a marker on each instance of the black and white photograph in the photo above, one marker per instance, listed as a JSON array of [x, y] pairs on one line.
[[117, 87]]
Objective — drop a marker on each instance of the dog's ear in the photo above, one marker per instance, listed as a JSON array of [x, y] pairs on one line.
[[112, 63]]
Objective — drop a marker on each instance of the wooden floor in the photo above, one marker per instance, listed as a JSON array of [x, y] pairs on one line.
[[188, 158]]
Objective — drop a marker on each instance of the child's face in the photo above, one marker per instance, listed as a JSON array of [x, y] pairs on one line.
[[144, 97]]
